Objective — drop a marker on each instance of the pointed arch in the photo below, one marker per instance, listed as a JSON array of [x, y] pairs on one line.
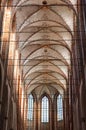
[[45, 109], [59, 108], [30, 107]]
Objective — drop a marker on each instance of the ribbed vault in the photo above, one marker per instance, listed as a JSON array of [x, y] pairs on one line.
[[45, 31]]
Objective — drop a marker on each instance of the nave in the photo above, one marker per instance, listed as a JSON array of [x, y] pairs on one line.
[[42, 65]]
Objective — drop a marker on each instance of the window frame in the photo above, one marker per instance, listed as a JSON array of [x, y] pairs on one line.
[[48, 113], [29, 116], [59, 107]]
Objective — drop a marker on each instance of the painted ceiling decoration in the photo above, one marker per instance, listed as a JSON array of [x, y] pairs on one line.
[[45, 32]]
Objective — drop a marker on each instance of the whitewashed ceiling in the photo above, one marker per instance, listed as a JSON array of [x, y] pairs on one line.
[[45, 31]]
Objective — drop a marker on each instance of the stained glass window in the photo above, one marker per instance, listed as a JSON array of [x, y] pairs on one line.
[[45, 110]]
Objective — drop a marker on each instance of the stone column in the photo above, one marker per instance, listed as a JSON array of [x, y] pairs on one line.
[[39, 115]]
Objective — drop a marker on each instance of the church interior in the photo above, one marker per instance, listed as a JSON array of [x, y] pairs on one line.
[[42, 64]]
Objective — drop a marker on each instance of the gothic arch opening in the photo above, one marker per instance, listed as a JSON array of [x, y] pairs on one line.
[[45, 112], [44, 109]]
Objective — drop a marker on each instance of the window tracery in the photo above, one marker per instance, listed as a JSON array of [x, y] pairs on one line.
[[30, 107], [45, 109], [59, 108]]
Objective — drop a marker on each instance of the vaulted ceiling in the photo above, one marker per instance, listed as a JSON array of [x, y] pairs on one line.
[[45, 30]]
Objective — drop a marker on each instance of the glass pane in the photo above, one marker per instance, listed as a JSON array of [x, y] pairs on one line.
[[59, 108], [45, 110], [30, 107]]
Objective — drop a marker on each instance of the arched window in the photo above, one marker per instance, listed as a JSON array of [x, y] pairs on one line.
[[30, 107], [45, 110], [59, 108]]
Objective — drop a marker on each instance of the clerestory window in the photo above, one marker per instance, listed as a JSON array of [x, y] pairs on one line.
[[30, 107], [45, 110], [59, 108]]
